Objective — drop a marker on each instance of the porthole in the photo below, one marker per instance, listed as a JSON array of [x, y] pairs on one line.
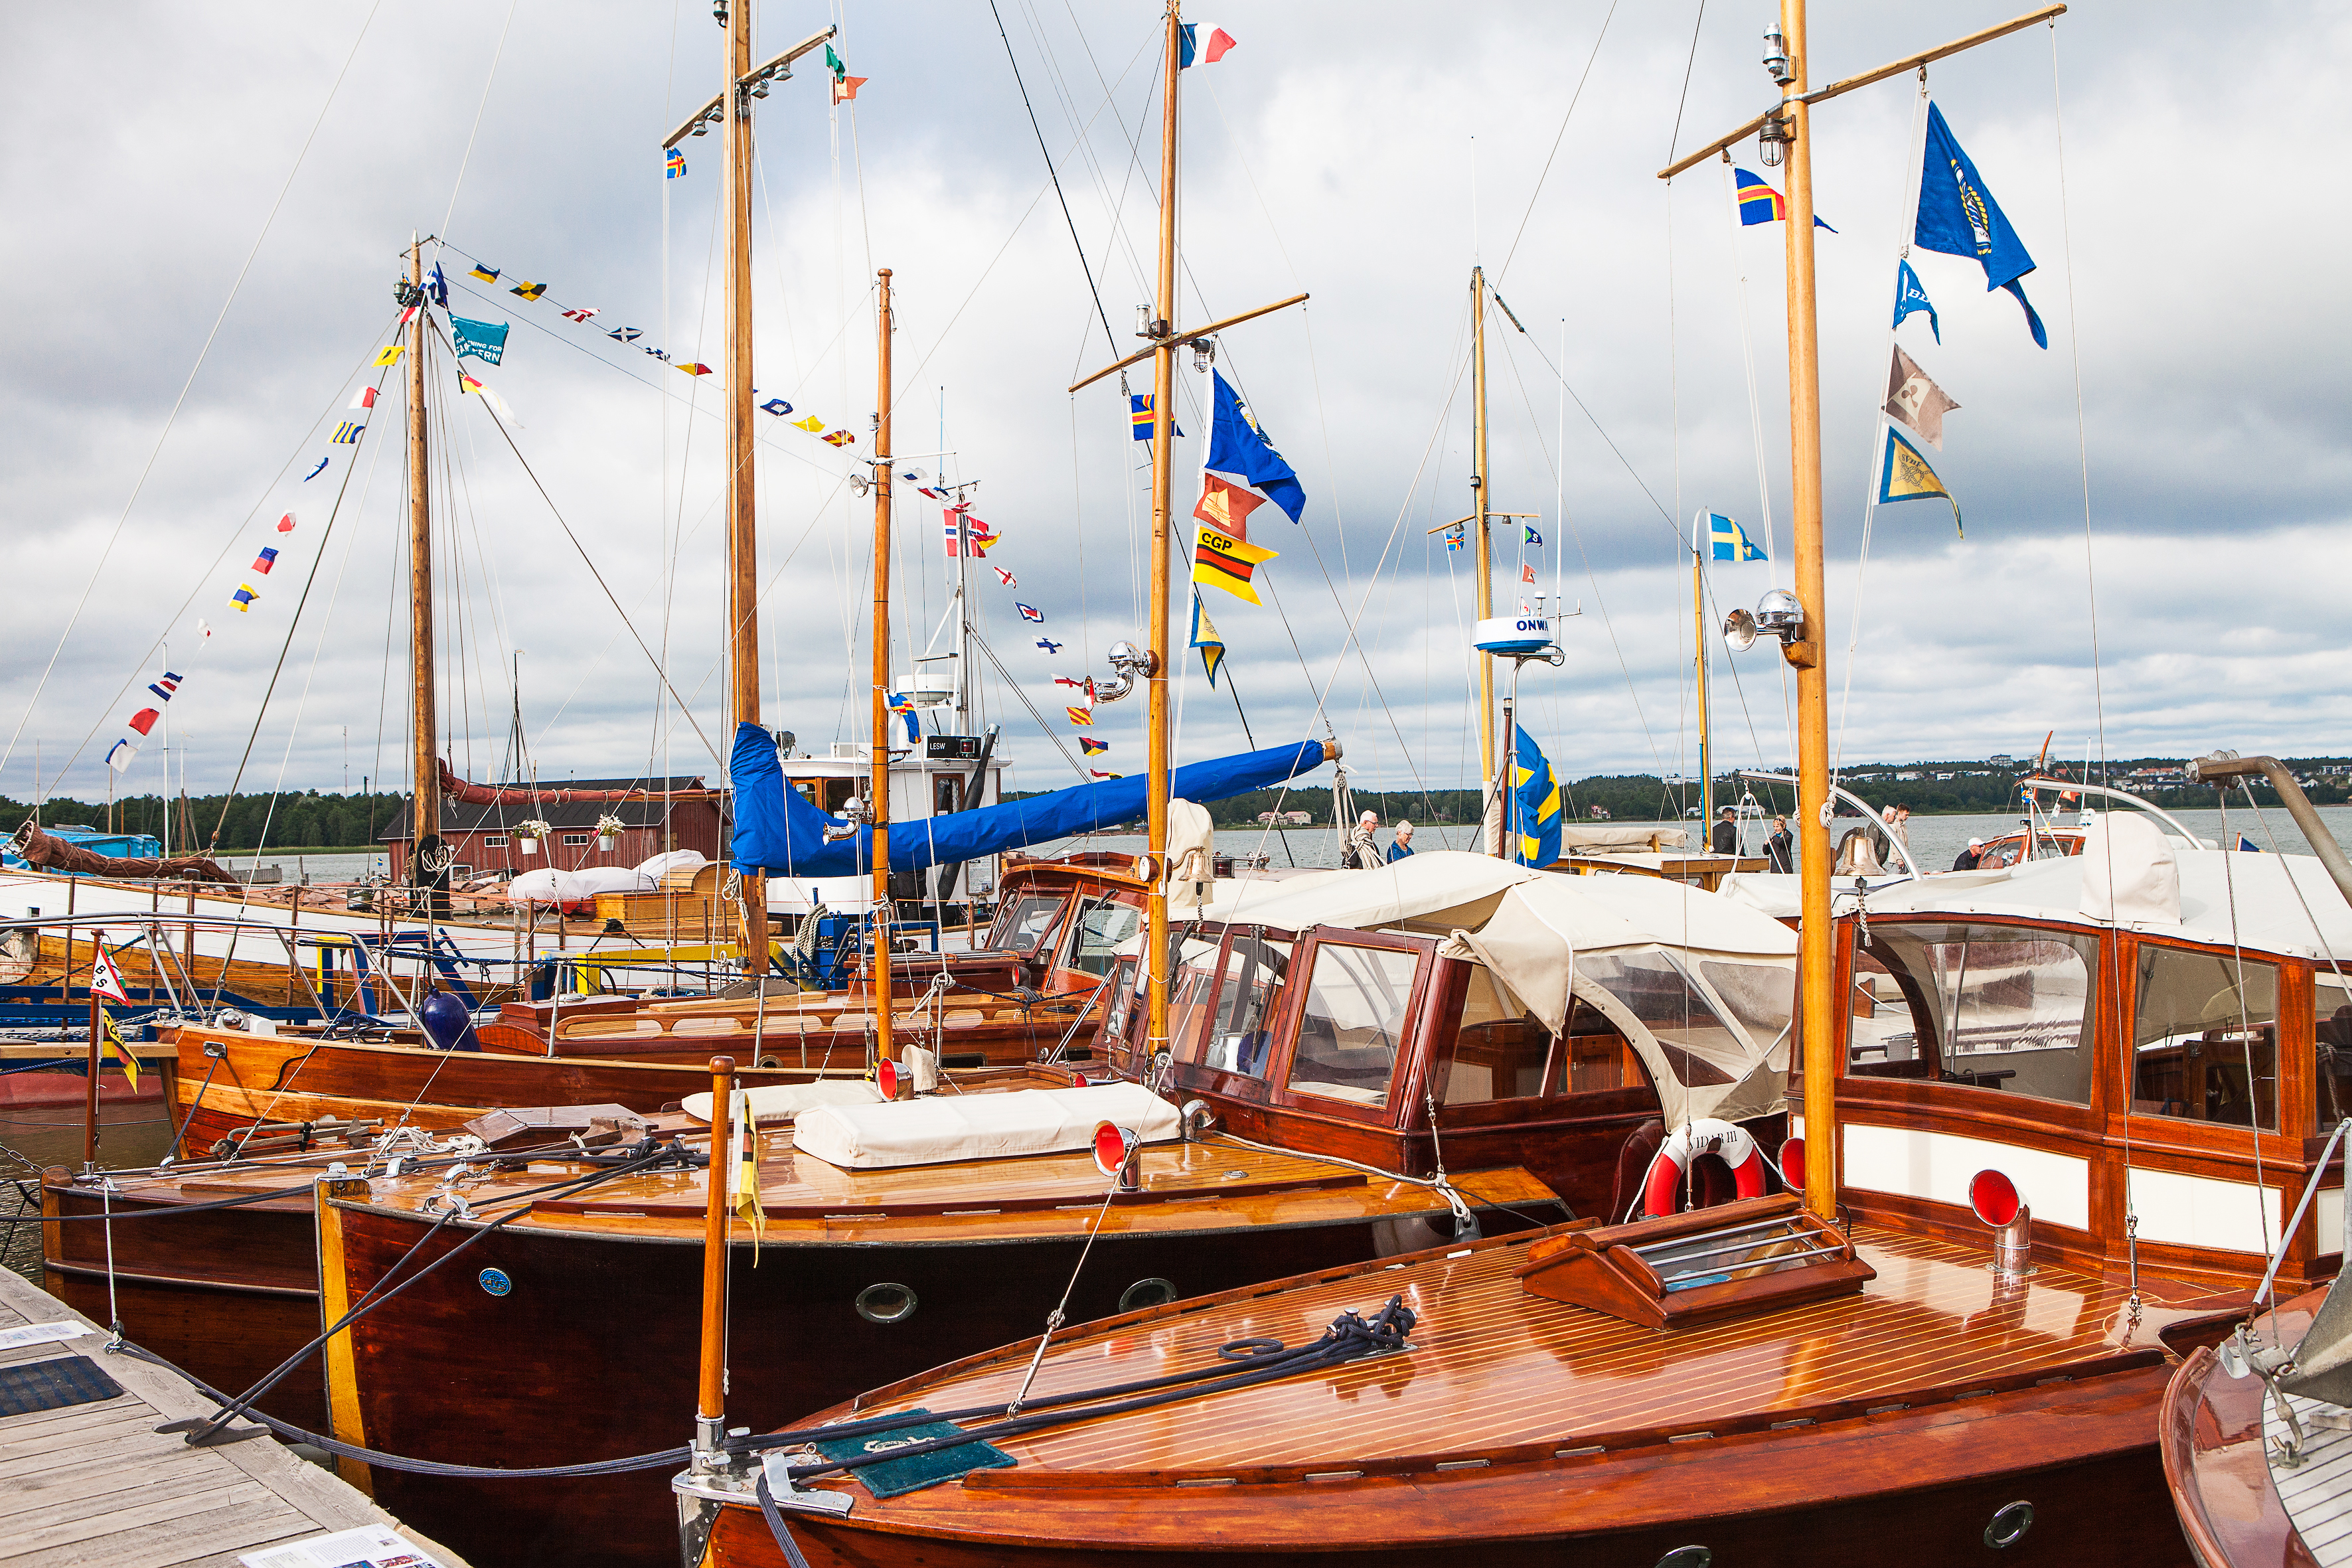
[[769, 1062], [2009, 1524], [1687, 1557], [885, 1304], [1146, 1293]]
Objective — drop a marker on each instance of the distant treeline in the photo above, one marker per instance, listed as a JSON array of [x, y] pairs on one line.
[[311, 818]]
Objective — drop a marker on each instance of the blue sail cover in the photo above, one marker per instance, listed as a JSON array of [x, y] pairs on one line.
[[777, 831]]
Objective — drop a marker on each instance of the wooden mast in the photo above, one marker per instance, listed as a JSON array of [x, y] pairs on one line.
[[424, 818], [1812, 672], [1157, 957], [1489, 809], [880, 788], [742, 540]]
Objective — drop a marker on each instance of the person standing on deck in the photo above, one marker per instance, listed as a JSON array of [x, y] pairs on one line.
[[1363, 845], [1403, 845], [1725, 840], [1781, 849]]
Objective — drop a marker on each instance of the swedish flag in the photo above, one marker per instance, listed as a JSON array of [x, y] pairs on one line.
[[1535, 804], [1730, 540]]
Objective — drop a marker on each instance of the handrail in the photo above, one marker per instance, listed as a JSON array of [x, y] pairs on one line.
[[1854, 800], [2221, 765], [2041, 781]]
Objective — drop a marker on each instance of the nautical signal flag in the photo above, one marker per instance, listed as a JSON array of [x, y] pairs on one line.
[[1915, 400], [1032, 613], [265, 561], [1004, 577], [1729, 541], [144, 720], [693, 367], [1074, 684], [580, 312], [117, 1048], [1081, 717], [1226, 506], [347, 433], [363, 398], [528, 291], [1759, 203], [1239, 449], [1141, 413], [1205, 639], [486, 274], [436, 287], [1089, 746], [486, 341], [624, 334], [1907, 475], [674, 166], [839, 438], [118, 755], [743, 1173], [1958, 217], [1224, 562], [166, 687], [777, 406], [1533, 537], [242, 600], [286, 523], [1535, 804], [1526, 572], [1047, 643], [389, 354], [812, 424], [314, 473], [1098, 773], [105, 980]]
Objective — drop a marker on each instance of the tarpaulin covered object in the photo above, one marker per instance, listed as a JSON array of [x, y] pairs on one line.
[[779, 830]]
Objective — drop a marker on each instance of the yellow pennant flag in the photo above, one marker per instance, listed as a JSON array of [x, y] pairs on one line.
[[1907, 475], [1224, 562], [388, 355], [743, 1183], [812, 424], [119, 1048]]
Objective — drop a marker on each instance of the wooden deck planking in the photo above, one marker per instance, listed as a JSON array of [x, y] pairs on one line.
[[1494, 1367], [96, 1485]]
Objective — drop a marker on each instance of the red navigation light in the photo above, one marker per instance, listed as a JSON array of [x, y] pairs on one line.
[[1994, 1197]]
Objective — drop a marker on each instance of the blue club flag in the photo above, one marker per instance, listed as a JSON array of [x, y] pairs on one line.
[[1238, 448], [1533, 537], [1535, 804], [1909, 298], [1907, 475], [1958, 217], [1729, 541], [486, 341]]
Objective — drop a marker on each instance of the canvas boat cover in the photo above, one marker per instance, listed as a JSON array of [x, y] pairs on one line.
[[785, 1101], [781, 831], [47, 852], [942, 1128]]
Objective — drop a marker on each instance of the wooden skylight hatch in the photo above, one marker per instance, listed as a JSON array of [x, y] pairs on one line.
[[1737, 1259]]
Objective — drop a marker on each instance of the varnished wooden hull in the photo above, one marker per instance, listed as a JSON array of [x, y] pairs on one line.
[[2211, 1435], [593, 1353]]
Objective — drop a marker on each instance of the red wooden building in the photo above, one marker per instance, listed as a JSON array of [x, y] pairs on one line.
[[486, 837]]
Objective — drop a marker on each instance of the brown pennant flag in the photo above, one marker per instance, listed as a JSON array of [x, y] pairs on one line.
[[1916, 401]]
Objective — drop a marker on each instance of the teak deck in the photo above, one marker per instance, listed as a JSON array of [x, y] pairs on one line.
[[95, 1485]]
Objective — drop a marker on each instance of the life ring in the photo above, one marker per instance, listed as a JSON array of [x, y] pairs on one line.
[[1707, 1135]]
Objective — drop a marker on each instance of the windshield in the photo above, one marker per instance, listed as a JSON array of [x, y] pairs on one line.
[[1020, 922], [1353, 1020], [1101, 926]]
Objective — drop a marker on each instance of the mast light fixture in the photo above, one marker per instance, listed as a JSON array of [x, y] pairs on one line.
[[1776, 56], [1205, 352], [1778, 612]]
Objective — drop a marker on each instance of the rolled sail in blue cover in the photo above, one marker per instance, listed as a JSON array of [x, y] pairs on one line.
[[777, 831]]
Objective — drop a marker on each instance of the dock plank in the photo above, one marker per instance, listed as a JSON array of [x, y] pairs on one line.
[[96, 1485]]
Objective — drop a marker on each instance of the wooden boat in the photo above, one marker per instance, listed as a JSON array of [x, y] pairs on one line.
[[2086, 1062], [2218, 1432], [980, 1245]]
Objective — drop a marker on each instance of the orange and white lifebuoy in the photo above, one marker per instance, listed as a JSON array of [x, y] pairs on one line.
[[1728, 1141]]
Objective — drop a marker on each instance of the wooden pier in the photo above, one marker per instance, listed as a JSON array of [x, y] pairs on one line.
[[96, 1485]]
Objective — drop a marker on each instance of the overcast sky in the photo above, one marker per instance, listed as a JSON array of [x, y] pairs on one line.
[[1360, 154]]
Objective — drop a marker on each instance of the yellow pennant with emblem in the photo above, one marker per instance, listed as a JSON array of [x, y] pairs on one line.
[[1907, 475], [117, 1047], [743, 1181]]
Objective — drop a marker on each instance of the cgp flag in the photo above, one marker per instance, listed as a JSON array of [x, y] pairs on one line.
[[1915, 400], [1958, 216], [1759, 203], [1727, 541], [1907, 475], [1223, 562], [1205, 639], [1239, 451]]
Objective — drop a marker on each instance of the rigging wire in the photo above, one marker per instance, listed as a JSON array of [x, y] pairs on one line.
[[1570, 113], [98, 568], [1101, 314]]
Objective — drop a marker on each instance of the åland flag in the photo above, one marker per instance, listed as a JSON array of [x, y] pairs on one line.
[[1759, 203], [1535, 804], [1239, 451], [674, 166], [1907, 475], [1227, 562], [904, 706], [1205, 639], [1140, 413], [1729, 541]]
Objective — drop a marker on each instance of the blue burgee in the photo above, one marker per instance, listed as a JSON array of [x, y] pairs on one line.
[[1910, 297], [1238, 448], [1958, 216]]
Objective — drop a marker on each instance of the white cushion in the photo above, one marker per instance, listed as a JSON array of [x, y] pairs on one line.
[[943, 1127]]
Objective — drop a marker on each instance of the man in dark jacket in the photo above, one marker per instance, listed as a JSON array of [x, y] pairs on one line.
[[1725, 840], [1781, 849], [1967, 861]]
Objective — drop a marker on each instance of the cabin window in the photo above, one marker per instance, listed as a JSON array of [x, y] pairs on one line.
[[1123, 1002], [2331, 1030], [1887, 1036], [1499, 1053], [2006, 1005], [1652, 987], [1101, 926], [2205, 1037], [1353, 1019], [946, 792], [1022, 923], [1232, 1037], [826, 794]]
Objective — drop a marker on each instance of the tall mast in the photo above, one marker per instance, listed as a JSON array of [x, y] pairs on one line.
[[1812, 673], [878, 789], [742, 537], [1705, 735], [1163, 430], [425, 819], [1484, 548]]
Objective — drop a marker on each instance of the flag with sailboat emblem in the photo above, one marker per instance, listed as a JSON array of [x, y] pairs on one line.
[[1535, 804]]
